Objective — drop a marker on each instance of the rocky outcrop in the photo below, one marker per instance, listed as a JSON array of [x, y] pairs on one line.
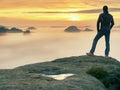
[[15, 30], [85, 72], [27, 32], [72, 29], [87, 29], [4, 29], [31, 28]]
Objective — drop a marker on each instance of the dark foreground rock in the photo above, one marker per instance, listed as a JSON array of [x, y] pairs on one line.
[[87, 75]]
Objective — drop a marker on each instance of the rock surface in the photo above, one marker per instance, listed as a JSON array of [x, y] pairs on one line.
[[4, 29], [29, 77], [15, 30], [87, 29], [72, 29]]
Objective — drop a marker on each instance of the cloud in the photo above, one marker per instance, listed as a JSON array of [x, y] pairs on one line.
[[48, 4], [53, 4], [99, 10], [115, 9], [82, 11]]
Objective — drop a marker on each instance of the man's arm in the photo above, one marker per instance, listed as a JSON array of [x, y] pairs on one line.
[[98, 23], [112, 23]]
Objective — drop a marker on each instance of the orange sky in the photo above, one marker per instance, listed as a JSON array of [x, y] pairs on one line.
[[19, 11]]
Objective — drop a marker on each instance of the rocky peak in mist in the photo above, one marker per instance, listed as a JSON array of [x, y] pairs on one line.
[[4, 29], [72, 29], [87, 29]]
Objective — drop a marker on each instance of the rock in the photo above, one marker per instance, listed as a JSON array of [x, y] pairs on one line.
[[27, 31], [87, 29], [14, 30], [3, 29], [29, 77], [72, 29], [31, 28]]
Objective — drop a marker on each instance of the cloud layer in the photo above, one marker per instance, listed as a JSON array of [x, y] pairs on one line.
[[52, 4], [81, 11]]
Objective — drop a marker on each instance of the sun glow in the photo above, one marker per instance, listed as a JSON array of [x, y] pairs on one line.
[[74, 17]]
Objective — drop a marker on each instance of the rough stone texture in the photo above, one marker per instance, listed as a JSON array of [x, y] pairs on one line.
[[29, 77]]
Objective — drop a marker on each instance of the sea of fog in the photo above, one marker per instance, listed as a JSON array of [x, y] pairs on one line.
[[46, 44]]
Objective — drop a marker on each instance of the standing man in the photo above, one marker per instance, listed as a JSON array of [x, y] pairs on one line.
[[104, 25]]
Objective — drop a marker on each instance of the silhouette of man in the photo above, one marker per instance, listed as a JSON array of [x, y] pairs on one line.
[[105, 23]]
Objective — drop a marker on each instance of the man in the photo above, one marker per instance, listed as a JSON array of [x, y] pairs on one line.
[[104, 25]]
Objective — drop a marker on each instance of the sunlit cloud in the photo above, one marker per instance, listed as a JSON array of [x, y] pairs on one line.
[[57, 4], [82, 11], [53, 10]]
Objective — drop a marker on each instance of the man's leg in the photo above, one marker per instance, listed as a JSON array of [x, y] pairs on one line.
[[107, 40], [97, 37]]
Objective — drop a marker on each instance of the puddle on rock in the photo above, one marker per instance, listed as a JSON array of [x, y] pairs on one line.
[[59, 76]]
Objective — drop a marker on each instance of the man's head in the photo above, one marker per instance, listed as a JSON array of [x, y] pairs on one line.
[[105, 9]]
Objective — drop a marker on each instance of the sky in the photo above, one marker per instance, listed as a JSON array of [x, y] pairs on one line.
[[50, 12], [42, 13]]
